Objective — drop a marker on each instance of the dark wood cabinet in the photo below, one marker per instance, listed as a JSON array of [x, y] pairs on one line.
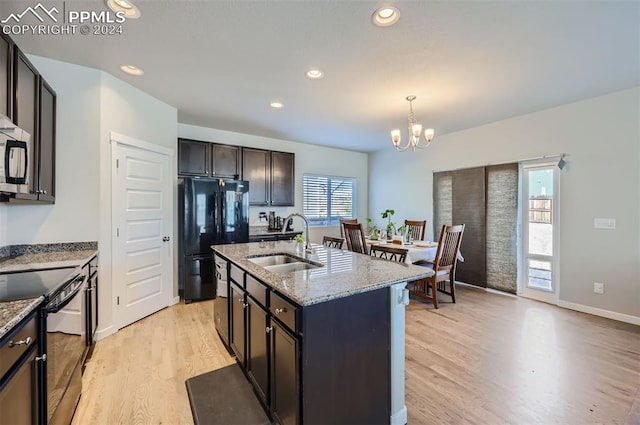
[[282, 179], [225, 161], [204, 159], [237, 306], [285, 396], [20, 374], [33, 109], [6, 76], [25, 111], [193, 158], [18, 398], [46, 153], [255, 169], [271, 177], [257, 348]]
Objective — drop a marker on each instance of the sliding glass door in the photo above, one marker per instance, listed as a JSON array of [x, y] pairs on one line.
[[540, 230]]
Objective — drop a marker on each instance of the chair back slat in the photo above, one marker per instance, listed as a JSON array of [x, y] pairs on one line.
[[389, 253], [331, 242], [416, 229], [448, 247], [346, 221], [354, 235]]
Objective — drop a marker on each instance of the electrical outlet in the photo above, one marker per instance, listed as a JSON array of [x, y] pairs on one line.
[[598, 288]]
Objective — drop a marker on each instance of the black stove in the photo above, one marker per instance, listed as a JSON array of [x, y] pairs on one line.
[[32, 284]]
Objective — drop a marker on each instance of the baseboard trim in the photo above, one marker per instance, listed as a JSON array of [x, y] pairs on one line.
[[621, 317], [175, 301], [493, 291], [103, 333]]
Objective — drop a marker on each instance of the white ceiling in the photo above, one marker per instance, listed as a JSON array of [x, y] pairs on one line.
[[469, 63]]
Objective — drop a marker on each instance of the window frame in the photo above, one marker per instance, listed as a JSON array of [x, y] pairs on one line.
[[329, 220]]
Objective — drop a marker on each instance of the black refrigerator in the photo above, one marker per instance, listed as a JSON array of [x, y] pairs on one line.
[[211, 212]]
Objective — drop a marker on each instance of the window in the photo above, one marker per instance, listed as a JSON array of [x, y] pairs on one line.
[[328, 199]]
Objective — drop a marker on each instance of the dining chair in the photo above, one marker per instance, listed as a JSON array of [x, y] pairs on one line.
[[331, 242], [443, 265], [354, 235], [349, 221], [416, 229], [389, 252]]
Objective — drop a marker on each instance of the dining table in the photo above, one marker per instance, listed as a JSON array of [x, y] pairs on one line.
[[416, 250]]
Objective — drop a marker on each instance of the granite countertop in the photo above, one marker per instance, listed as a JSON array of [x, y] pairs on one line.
[[344, 272], [46, 260], [12, 312], [37, 257]]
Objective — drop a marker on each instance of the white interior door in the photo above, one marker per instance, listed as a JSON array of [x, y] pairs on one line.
[[541, 229], [141, 202]]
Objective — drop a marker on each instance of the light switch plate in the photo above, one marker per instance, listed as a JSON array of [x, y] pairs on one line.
[[604, 223]]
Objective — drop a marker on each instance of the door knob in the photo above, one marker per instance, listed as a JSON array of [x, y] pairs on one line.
[[166, 239]]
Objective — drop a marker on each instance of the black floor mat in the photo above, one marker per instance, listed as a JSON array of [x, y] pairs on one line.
[[224, 396]]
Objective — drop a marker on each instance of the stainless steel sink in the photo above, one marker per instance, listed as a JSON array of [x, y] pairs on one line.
[[291, 267], [284, 263], [273, 260]]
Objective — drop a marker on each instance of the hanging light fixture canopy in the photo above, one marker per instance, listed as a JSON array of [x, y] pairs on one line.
[[415, 130]]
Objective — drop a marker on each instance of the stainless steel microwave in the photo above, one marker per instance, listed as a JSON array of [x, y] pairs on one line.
[[15, 146]]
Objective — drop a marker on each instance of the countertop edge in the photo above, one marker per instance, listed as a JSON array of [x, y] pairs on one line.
[[21, 314]]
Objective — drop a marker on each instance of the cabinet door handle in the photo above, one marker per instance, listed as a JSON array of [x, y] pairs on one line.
[[42, 358], [245, 305], [280, 310], [269, 329], [166, 239], [44, 192], [26, 341]]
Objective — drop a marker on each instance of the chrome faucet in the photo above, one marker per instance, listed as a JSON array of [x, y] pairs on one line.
[[307, 246]]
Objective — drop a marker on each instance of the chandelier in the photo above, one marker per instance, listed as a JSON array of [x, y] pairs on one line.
[[415, 130]]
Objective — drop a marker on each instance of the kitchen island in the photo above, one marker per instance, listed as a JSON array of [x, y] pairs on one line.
[[320, 335]]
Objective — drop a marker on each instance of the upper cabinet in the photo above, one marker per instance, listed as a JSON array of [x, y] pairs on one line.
[[46, 143], [196, 158], [6, 75], [255, 169], [25, 113], [34, 110], [193, 158], [270, 175]]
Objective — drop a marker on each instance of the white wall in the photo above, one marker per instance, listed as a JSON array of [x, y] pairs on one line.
[[309, 159], [74, 216], [601, 138], [129, 111]]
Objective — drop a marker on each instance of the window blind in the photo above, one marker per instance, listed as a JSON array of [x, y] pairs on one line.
[[328, 199]]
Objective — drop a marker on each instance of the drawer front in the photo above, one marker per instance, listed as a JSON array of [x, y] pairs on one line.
[[237, 274], [10, 353], [284, 311], [257, 290]]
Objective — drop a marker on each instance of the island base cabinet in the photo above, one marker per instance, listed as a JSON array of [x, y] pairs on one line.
[[18, 399], [285, 395], [237, 314], [258, 349]]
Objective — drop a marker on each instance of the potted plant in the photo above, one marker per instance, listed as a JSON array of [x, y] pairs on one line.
[[391, 226], [372, 230]]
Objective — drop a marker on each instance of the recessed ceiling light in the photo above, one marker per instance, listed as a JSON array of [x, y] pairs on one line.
[[385, 16], [276, 105], [131, 70], [314, 74], [129, 9]]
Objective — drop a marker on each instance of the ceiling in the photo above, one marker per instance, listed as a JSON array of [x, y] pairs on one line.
[[221, 63]]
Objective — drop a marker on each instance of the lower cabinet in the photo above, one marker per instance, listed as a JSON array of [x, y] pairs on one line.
[[237, 329], [18, 399], [258, 348], [284, 375], [20, 375]]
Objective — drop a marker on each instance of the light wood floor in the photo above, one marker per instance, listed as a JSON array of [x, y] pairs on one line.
[[488, 359]]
